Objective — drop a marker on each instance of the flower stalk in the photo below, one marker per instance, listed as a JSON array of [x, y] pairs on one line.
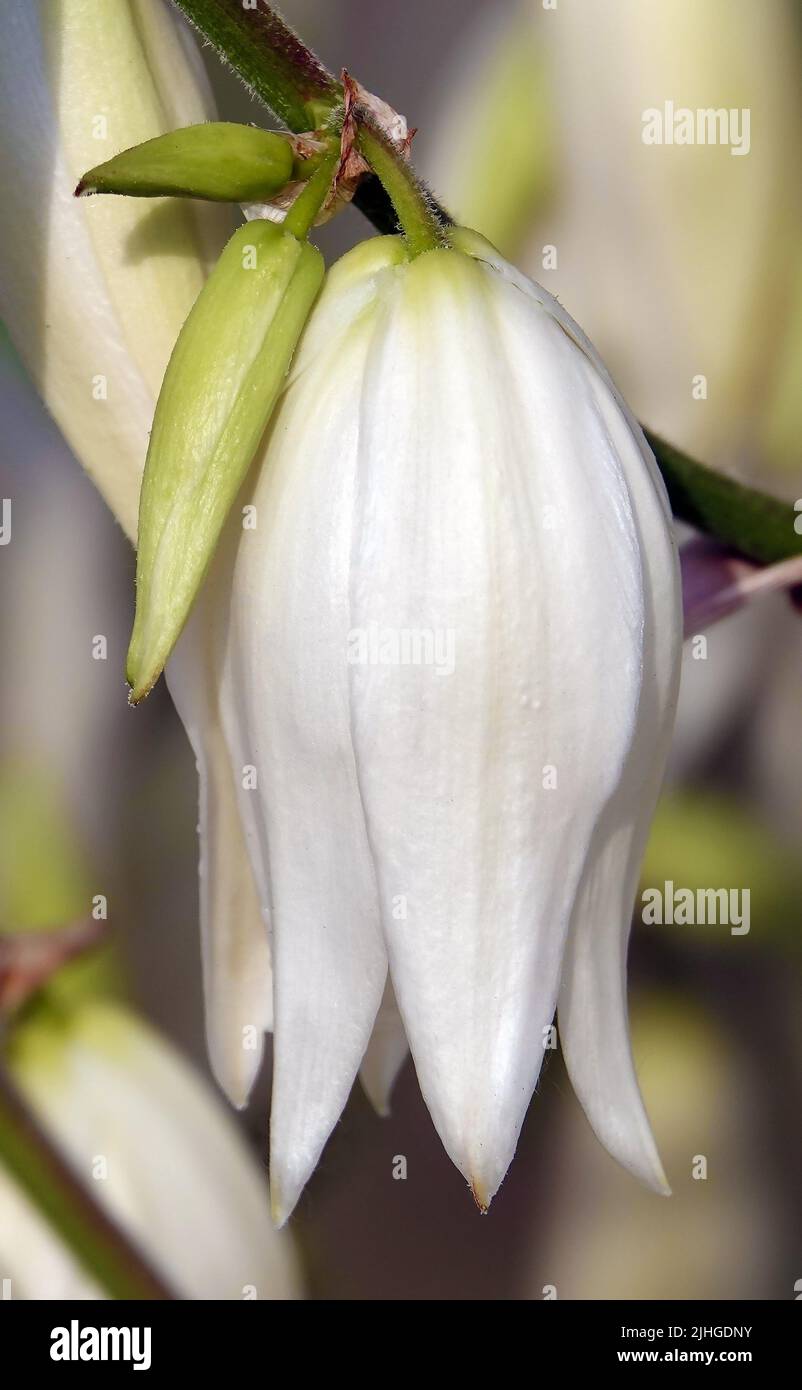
[[302, 214], [416, 213]]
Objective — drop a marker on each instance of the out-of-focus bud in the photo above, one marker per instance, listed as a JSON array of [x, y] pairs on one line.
[[94, 291], [159, 1154], [220, 387], [219, 161], [693, 244]]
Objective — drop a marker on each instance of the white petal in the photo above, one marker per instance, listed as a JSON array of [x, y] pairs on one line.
[[237, 975], [386, 1054], [179, 1178], [286, 715], [592, 1007], [486, 479]]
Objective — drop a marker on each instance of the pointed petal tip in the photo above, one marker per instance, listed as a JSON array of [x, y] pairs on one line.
[[282, 1205], [483, 1163], [237, 1093], [289, 1174], [377, 1094], [644, 1165], [658, 1182], [480, 1195], [650, 1170], [234, 1070]]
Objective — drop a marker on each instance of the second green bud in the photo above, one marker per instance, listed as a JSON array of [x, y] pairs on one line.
[[220, 161], [219, 390]]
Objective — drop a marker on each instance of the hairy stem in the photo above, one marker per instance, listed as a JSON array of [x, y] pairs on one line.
[[269, 57], [416, 215]]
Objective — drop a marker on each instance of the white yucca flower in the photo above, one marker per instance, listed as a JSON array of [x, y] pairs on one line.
[[443, 677], [159, 1154], [449, 669]]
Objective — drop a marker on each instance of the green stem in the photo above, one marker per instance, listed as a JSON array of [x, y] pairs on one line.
[[288, 78], [269, 57], [759, 526], [301, 216], [375, 204], [419, 222], [48, 1181]]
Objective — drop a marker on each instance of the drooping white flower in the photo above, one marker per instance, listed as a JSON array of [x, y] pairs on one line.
[[449, 663], [450, 670], [94, 293], [159, 1154]]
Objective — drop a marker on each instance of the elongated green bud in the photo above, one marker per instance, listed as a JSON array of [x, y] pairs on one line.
[[219, 390], [219, 161]]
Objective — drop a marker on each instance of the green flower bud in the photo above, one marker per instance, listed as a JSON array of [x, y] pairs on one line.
[[219, 161], [219, 390]]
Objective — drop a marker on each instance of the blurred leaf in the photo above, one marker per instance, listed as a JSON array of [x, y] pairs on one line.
[[495, 161], [783, 423], [44, 886], [43, 879], [702, 841]]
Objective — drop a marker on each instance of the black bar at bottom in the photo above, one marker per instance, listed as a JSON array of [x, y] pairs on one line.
[[333, 1340]]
